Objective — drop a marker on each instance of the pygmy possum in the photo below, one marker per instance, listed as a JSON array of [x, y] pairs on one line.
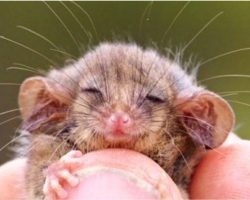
[[118, 95]]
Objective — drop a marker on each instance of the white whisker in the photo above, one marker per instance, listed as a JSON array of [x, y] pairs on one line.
[[224, 54], [88, 16], [63, 24], [28, 48], [201, 30], [225, 76], [10, 119], [173, 21], [9, 111]]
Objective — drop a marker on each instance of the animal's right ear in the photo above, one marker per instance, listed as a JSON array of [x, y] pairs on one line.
[[207, 118], [41, 99]]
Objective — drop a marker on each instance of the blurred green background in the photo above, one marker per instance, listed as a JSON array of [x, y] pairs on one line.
[[141, 22]]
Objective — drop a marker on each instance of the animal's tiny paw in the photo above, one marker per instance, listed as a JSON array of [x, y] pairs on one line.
[[60, 175]]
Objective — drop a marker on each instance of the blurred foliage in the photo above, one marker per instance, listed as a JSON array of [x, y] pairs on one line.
[[142, 22]]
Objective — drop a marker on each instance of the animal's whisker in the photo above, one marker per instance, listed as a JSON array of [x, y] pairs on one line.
[[64, 53], [45, 39], [224, 54], [238, 102], [38, 70], [146, 10], [201, 30], [225, 76], [203, 122], [77, 20], [143, 85], [15, 139], [195, 143], [173, 22], [22, 69], [63, 24], [28, 48], [104, 73], [34, 70], [210, 148], [9, 111], [229, 94], [234, 91], [10, 84], [55, 137], [179, 150], [152, 87], [55, 150], [10, 119], [88, 16]]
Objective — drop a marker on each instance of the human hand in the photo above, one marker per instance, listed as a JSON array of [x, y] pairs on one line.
[[106, 174], [224, 173]]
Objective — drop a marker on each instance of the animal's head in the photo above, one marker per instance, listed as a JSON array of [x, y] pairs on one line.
[[120, 92]]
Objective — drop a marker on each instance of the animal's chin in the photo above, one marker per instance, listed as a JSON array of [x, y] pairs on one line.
[[118, 137]]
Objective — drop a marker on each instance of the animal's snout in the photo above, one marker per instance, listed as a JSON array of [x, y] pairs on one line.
[[119, 120]]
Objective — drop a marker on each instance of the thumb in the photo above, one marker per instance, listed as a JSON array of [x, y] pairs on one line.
[[123, 174]]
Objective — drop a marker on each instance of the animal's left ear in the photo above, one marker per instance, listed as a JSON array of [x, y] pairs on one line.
[[42, 101], [207, 118]]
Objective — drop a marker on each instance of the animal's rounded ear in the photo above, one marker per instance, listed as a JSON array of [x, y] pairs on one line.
[[207, 118], [36, 92]]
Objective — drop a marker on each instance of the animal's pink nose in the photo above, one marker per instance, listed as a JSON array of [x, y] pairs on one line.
[[119, 120]]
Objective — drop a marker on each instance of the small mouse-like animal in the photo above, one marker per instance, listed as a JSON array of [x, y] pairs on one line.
[[119, 95]]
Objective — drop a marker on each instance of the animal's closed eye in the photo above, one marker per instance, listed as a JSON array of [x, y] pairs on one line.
[[94, 91], [155, 99]]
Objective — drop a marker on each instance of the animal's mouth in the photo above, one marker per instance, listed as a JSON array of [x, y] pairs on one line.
[[117, 136]]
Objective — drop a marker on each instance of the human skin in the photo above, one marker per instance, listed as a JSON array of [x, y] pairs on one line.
[[223, 173]]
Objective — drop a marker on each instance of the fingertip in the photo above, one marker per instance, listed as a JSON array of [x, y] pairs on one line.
[[232, 139], [12, 177], [224, 173], [123, 174]]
